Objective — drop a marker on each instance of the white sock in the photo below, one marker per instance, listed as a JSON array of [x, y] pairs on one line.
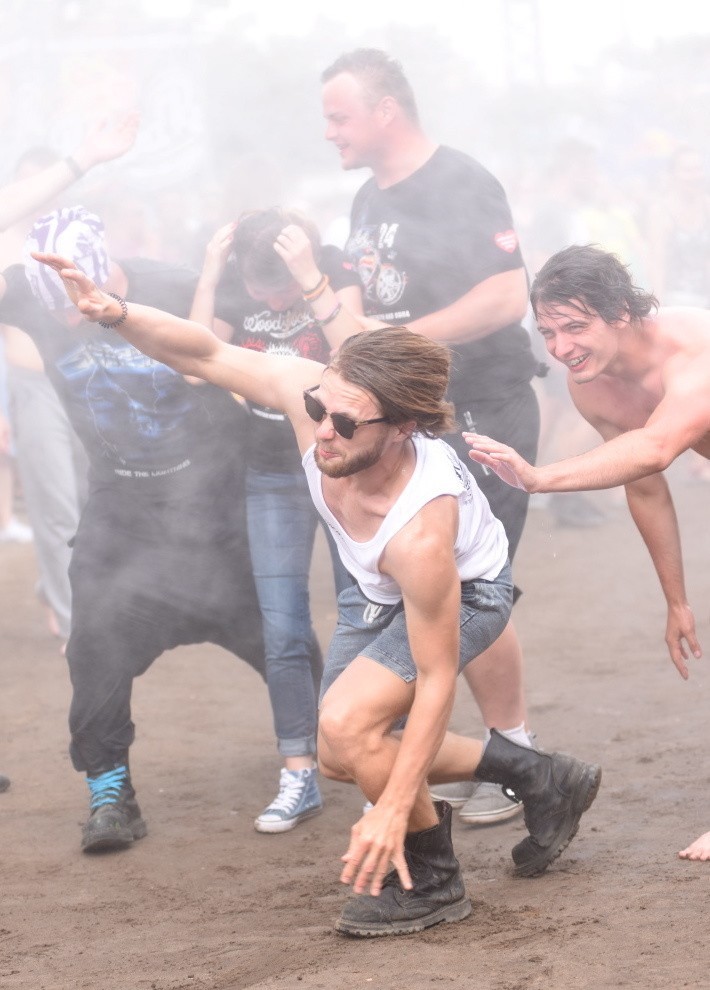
[[517, 734]]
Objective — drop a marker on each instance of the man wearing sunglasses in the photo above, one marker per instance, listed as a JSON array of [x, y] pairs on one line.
[[433, 592]]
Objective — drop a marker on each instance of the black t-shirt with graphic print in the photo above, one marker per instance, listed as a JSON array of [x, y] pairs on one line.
[[424, 242], [137, 418], [272, 444]]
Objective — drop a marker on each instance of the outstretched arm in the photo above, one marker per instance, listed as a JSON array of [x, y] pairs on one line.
[[102, 143], [653, 512], [680, 421], [272, 380]]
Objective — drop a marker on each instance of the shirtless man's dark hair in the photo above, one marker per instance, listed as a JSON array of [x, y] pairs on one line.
[[586, 275]]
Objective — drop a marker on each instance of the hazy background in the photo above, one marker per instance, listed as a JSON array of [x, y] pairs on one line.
[[230, 100]]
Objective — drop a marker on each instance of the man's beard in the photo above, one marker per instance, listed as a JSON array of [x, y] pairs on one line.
[[344, 467]]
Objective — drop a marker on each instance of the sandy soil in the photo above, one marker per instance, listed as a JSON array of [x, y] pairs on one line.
[[206, 902]]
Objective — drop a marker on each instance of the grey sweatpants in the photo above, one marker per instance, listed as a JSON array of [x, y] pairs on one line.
[[52, 469]]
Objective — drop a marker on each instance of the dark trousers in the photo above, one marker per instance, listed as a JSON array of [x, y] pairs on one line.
[[151, 570]]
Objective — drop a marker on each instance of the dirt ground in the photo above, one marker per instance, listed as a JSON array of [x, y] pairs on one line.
[[206, 902]]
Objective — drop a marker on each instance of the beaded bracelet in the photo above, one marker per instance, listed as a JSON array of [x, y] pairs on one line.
[[331, 316], [319, 289], [122, 317]]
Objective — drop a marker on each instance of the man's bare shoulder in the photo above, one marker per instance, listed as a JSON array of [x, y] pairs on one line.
[[686, 329], [684, 345]]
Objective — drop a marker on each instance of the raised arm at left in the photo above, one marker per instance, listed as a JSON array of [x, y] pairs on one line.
[[103, 142], [190, 348]]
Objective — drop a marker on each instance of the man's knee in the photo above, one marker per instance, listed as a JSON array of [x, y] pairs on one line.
[[351, 734], [337, 725], [327, 762]]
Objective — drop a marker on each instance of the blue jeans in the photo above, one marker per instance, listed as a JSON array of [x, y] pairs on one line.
[[282, 524]]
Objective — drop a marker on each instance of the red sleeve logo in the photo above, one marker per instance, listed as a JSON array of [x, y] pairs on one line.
[[507, 240]]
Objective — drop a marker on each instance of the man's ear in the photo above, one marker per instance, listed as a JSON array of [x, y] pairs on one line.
[[405, 430], [387, 109]]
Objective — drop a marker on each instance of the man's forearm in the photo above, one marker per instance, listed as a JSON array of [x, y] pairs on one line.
[[495, 303], [426, 727], [181, 344], [624, 459], [21, 198], [652, 510]]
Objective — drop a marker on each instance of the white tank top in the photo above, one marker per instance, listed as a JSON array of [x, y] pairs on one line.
[[481, 547]]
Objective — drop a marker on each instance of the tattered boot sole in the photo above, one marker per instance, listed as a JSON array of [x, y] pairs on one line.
[[375, 929], [584, 795]]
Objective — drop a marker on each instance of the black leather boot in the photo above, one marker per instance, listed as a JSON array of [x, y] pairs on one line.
[[555, 790], [115, 820], [437, 894]]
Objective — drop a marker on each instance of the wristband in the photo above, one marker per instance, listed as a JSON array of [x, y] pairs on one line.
[[331, 316], [318, 290], [122, 317]]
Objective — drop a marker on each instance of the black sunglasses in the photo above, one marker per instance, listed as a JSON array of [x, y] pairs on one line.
[[343, 425]]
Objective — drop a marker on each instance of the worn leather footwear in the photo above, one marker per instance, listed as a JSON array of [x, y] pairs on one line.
[[115, 820], [555, 790], [438, 893]]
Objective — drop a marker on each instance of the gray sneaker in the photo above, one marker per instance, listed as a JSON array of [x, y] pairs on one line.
[[456, 794], [489, 803], [480, 803]]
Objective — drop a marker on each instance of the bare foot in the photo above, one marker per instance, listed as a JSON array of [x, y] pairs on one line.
[[700, 849]]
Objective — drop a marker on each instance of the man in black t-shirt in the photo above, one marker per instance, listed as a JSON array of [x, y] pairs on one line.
[[160, 557], [433, 240]]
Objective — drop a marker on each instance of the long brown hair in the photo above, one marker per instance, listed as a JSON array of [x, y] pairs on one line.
[[406, 373]]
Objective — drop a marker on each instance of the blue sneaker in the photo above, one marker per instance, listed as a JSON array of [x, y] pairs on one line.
[[115, 819], [297, 800]]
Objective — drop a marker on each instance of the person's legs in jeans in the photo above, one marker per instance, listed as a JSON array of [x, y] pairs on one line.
[[282, 522]]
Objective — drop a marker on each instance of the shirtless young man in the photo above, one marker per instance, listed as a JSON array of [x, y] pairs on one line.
[[433, 592], [641, 376]]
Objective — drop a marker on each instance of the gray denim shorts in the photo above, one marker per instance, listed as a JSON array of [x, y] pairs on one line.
[[366, 629]]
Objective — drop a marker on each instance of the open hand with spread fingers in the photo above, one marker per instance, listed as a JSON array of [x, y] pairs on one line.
[[88, 298], [506, 462]]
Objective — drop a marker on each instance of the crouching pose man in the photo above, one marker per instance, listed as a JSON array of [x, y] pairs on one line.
[[433, 591]]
